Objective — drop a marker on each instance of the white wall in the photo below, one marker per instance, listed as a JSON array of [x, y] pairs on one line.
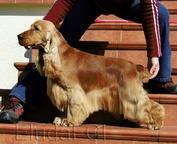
[[12, 22], [10, 51]]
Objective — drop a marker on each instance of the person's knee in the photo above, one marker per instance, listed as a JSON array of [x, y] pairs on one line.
[[163, 14]]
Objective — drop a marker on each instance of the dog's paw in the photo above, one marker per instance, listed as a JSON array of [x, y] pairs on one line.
[[155, 126], [57, 121], [62, 122], [157, 115]]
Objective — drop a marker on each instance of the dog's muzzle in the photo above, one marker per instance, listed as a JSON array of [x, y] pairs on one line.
[[20, 37], [20, 41]]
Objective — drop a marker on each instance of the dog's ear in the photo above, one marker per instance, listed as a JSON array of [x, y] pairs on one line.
[[47, 42]]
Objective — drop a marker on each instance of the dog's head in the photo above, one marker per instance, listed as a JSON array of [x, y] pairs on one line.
[[39, 35]]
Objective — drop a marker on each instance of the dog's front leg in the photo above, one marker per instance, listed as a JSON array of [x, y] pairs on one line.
[[78, 107], [52, 66], [75, 116], [50, 70]]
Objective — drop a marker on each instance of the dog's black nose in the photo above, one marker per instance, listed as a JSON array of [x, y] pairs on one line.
[[20, 36]]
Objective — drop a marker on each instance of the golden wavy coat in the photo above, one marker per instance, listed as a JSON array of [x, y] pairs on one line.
[[81, 83]]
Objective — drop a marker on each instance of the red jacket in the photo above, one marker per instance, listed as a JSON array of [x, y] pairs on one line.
[[150, 24]]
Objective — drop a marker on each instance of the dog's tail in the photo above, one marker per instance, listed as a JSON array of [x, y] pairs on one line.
[[144, 74]]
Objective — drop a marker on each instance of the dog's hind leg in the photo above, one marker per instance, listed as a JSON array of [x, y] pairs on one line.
[[150, 113], [139, 108]]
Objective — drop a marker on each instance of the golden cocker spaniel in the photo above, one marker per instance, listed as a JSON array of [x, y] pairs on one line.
[[81, 83]]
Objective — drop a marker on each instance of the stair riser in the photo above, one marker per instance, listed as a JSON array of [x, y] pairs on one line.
[[34, 139], [173, 17], [136, 56], [119, 36], [170, 4], [171, 114]]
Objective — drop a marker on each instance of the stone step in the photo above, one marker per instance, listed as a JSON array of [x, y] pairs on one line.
[[28, 132], [89, 133], [170, 104], [121, 31], [106, 45], [171, 6], [136, 56], [125, 132], [130, 51]]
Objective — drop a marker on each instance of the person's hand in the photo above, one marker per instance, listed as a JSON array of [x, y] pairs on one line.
[[154, 67]]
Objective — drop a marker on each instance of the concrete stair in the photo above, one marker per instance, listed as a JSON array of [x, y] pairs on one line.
[[135, 52], [113, 37], [104, 130]]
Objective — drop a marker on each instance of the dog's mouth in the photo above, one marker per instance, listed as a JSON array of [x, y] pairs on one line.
[[39, 47], [34, 47], [27, 47]]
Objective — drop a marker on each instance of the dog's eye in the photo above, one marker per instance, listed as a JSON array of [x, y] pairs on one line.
[[36, 28]]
